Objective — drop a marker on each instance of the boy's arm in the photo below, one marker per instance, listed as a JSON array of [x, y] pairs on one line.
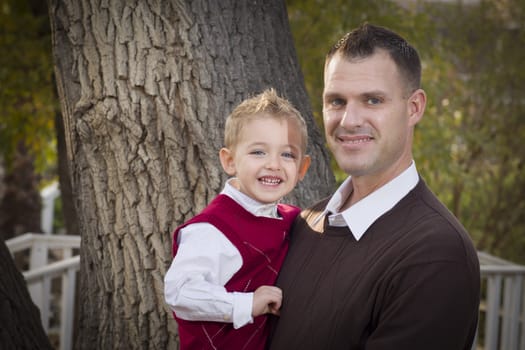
[[194, 283]]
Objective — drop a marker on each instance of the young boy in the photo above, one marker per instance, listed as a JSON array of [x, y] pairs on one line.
[[226, 259]]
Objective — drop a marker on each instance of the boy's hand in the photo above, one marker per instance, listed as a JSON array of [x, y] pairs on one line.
[[267, 300]]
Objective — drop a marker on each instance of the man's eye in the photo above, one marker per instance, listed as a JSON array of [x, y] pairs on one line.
[[337, 102], [373, 101]]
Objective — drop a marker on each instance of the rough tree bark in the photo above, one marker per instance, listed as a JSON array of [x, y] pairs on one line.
[[20, 325], [66, 191], [145, 87]]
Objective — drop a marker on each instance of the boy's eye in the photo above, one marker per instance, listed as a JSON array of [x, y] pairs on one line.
[[288, 155], [257, 153]]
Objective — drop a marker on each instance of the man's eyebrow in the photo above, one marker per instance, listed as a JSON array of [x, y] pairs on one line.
[[374, 93], [364, 94], [331, 95]]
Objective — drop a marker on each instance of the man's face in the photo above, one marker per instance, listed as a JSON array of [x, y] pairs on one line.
[[369, 115]]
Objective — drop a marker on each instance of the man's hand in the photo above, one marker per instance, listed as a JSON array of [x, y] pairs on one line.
[[267, 300]]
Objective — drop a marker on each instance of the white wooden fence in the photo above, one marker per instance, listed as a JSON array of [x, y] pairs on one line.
[[54, 259], [502, 309]]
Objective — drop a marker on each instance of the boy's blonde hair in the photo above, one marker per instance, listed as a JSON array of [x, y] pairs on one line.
[[267, 104]]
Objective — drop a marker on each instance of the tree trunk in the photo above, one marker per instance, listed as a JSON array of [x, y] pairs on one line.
[[145, 87], [20, 204], [20, 325], [66, 191]]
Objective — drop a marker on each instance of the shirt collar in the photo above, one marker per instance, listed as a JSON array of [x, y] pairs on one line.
[[248, 203], [361, 215]]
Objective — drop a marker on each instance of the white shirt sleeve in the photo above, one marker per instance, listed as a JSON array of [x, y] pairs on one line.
[[194, 284]]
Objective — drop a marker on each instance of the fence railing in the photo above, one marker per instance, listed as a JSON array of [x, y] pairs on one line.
[[54, 262], [502, 309], [49, 264]]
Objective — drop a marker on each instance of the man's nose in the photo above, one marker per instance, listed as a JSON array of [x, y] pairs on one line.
[[352, 116]]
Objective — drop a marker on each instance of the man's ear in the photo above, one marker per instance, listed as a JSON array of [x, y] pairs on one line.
[[305, 164], [416, 106], [227, 161]]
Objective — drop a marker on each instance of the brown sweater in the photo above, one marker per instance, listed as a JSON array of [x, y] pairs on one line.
[[411, 282]]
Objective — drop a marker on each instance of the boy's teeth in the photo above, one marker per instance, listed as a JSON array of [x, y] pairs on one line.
[[270, 181]]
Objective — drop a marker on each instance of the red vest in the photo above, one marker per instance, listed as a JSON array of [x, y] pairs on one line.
[[263, 244]]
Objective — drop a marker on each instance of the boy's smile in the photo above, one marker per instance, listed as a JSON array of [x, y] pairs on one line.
[[267, 161]]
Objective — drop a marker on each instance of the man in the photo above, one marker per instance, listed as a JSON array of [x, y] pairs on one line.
[[381, 264]]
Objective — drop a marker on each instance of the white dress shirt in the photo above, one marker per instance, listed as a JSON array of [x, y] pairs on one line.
[[361, 215], [204, 263]]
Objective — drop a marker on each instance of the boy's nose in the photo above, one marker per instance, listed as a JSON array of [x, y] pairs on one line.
[[274, 162]]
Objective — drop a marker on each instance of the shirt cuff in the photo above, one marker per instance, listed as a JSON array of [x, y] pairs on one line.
[[242, 309]]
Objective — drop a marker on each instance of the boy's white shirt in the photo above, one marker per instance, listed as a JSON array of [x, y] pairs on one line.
[[204, 263]]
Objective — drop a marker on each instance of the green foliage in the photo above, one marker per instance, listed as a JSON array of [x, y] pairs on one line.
[[468, 145], [28, 103], [318, 24], [485, 86]]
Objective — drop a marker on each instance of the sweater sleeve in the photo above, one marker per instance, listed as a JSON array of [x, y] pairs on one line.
[[194, 284]]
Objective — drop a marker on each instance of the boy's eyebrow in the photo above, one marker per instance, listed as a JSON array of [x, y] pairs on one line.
[[290, 145], [295, 148], [257, 143]]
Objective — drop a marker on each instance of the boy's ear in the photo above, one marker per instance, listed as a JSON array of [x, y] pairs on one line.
[[227, 162], [305, 164]]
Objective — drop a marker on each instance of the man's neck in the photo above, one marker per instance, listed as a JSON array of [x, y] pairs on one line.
[[366, 184]]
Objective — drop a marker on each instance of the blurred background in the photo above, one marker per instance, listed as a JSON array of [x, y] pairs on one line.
[[469, 146]]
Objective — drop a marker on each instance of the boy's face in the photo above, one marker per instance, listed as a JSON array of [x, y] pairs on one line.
[[268, 160]]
